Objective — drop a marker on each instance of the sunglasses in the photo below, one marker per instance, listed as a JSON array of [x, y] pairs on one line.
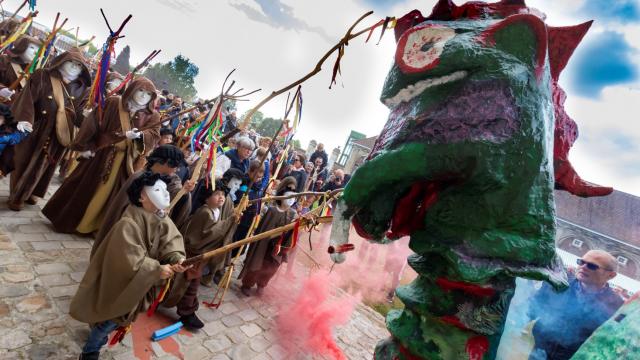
[[589, 265]]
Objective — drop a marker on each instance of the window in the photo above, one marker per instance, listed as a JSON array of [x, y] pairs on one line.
[[577, 243], [622, 260]]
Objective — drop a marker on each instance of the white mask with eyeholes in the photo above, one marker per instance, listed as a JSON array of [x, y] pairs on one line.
[[141, 97], [159, 196], [113, 84], [233, 185], [70, 70], [290, 201], [29, 53]]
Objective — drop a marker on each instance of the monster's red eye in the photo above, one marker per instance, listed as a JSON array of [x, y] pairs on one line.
[[419, 48]]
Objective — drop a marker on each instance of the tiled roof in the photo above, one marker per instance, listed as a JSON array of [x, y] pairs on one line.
[[616, 215]]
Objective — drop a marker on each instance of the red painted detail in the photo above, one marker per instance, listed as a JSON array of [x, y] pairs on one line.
[[562, 42], [477, 346], [453, 320], [539, 29], [565, 134], [143, 328], [406, 22], [400, 49], [410, 210], [360, 229], [469, 288]]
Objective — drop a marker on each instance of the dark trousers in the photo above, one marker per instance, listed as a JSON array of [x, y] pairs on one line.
[[261, 277], [99, 336], [189, 303]]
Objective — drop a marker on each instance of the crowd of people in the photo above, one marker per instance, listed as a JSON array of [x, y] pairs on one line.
[[129, 179], [128, 169]]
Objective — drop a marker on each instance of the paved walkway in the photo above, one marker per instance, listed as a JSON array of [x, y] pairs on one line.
[[40, 271]]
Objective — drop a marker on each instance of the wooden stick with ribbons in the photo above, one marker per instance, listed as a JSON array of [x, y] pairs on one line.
[[19, 8], [135, 70]]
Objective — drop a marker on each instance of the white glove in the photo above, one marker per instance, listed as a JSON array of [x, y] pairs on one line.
[[86, 154], [165, 123], [133, 134], [24, 126], [6, 93], [205, 146], [86, 112]]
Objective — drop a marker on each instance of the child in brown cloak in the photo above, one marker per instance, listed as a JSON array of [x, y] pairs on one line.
[[143, 248], [209, 228], [263, 259]]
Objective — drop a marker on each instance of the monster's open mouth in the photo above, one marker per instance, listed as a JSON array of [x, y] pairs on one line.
[[413, 90]]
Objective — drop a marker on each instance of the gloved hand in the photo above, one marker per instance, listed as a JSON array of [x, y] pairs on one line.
[[86, 112], [86, 154], [6, 93], [166, 123], [133, 134], [24, 126]]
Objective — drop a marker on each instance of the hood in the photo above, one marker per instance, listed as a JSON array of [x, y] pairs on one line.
[[140, 82], [76, 55], [8, 27], [20, 45]]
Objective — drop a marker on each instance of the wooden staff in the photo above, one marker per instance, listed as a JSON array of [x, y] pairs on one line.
[[297, 195], [340, 45], [265, 235], [20, 8]]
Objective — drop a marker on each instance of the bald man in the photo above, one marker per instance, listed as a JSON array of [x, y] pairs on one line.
[[565, 320]]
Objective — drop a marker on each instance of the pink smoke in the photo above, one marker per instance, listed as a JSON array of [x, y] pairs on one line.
[[309, 322]]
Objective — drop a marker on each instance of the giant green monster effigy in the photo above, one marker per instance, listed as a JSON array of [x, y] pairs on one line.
[[476, 141]]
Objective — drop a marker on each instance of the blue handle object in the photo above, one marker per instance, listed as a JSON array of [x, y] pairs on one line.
[[166, 332]]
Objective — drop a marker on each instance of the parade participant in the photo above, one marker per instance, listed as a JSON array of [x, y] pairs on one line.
[[8, 27], [14, 61], [113, 80], [50, 107], [209, 228], [9, 135], [264, 257], [232, 180], [166, 136], [104, 168], [142, 248], [256, 171], [163, 160]]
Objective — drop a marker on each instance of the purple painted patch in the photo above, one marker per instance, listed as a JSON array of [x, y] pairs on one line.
[[480, 110]]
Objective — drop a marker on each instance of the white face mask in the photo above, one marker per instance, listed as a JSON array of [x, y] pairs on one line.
[[30, 53], [158, 195], [141, 97], [70, 70], [113, 84], [234, 185], [291, 201]]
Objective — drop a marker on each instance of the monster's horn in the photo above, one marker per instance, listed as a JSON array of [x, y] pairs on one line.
[[562, 42], [407, 22]]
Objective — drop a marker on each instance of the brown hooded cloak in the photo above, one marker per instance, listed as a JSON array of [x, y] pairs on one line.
[[123, 276], [37, 156], [111, 75], [203, 233], [120, 201], [8, 27], [102, 176]]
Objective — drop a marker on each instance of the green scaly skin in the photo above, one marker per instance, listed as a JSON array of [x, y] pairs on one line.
[[494, 217]]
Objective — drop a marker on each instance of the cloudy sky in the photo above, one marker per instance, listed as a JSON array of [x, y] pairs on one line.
[[274, 42]]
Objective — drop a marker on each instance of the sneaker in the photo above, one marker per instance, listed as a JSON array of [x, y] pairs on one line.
[[90, 356], [32, 200], [191, 321], [15, 206]]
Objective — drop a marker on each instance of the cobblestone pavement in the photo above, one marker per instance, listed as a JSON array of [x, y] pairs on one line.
[[40, 271]]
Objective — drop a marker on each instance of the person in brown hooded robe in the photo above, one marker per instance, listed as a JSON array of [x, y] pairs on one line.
[[163, 160], [8, 27], [264, 257], [209, 228], [106, 160], [50, 107], [11, 64], [143, 248]]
